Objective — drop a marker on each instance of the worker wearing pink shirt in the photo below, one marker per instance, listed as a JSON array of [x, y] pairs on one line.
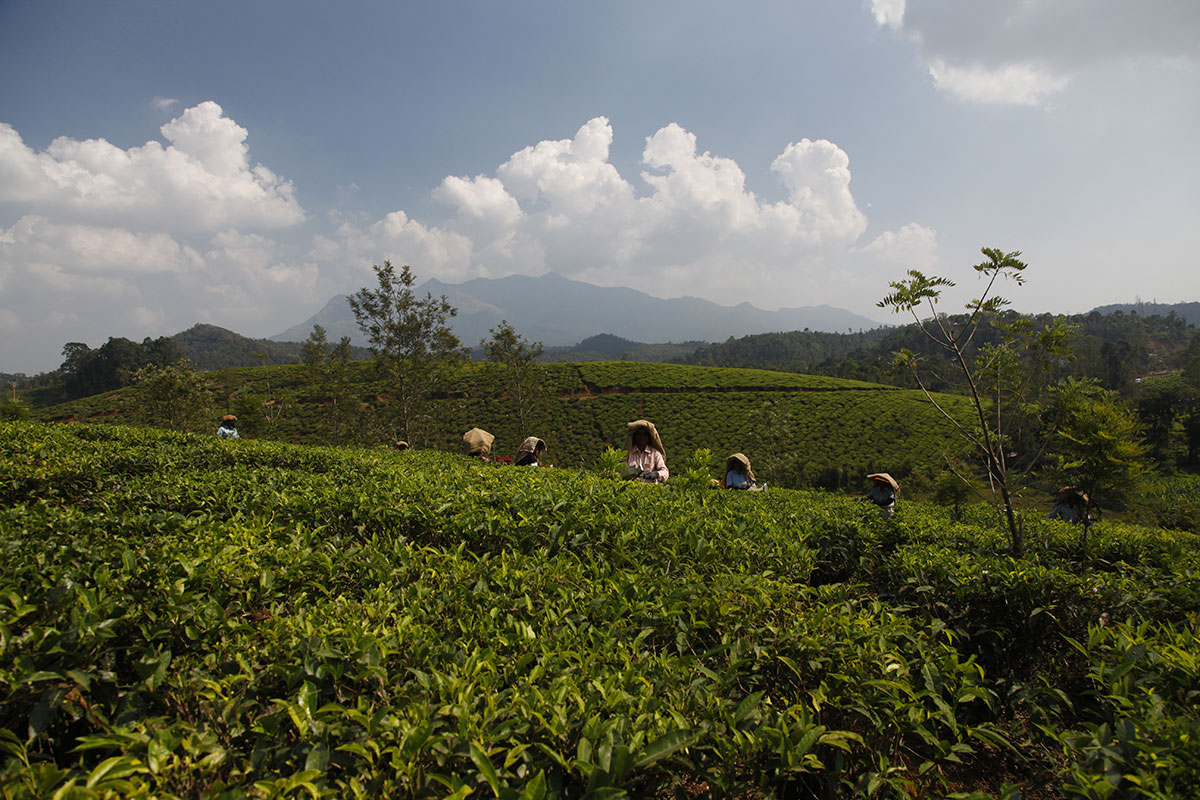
[[646, 455]]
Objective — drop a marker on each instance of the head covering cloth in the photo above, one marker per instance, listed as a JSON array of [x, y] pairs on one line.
[[885, 478], [229, 418], [739, 460], [1071, 496], [532, 444], [633, 427], [477, 442]]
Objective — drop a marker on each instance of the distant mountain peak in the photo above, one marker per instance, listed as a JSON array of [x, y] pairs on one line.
[[560, 311]]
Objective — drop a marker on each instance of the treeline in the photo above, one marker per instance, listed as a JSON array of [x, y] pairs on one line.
[[610, 347], [1152, 361], [1114, 349], [87, 371], [1190, 312], [794, 351], [210, 347]]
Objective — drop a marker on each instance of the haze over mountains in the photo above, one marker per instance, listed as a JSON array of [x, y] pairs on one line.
[[559, 311], [1188, 312]]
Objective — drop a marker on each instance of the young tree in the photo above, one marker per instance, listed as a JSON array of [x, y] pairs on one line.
[[772, 445], [999, 380], [522, 375], [411, 340], [328, 372], [316, 348], [13, 410], [950, 489], [250, 410], [340, 356], [345, 417], [174, 396], [1165, 406], [1097, 447]]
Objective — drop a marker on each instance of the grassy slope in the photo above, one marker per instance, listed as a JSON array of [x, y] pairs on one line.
[[209, 614], [831, 422]]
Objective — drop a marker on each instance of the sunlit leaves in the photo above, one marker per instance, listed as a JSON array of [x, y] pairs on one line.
[[182, 618], [917, 290]]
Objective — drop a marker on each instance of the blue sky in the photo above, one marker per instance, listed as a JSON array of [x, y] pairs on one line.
[[167, 163]]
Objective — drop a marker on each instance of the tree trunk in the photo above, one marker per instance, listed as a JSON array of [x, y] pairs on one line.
[[1015, 528]]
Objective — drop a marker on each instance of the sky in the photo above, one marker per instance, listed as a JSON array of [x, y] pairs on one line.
[[165, 163]]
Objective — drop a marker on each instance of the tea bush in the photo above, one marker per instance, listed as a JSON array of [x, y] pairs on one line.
[[186, 616], [835, 430]]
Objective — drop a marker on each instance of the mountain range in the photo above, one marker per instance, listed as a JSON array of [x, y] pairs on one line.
[[557, 311]]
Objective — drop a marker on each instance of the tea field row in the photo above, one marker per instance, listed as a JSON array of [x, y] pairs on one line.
[[183, 616], [819, 423]]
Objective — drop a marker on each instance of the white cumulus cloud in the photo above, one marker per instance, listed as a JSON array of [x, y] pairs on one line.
[[201, 182], [91, 250], [568, 176], [697, 186], [397, 238], [238, 276], [148, 240], [689, 225], [888, 12], [912, 247], [817, 176], [75, 282], [481, 198], [143, 240]]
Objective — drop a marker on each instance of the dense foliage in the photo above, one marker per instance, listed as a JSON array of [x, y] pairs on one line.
[[832, 431], [1188, 312], [1169, 410], [609, 347], [522, 377], [183, 616], [414, 347], [1112, 348], [86, 371], [210, 347]]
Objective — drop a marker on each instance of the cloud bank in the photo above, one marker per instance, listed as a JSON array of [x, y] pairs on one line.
[[201, 181], [148, 240], [140, 241], [1024, 53], [688, 225]]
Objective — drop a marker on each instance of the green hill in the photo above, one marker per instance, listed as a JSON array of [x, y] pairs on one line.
[[609, 347], [187, 616], [819, 430], [210, 347]]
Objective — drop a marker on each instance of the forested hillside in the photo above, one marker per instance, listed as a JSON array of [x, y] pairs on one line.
[[86, 370], [1189, 312], [1113, 348], [609, 347], [210, 347]]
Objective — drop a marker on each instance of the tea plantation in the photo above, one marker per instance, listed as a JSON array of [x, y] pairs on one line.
[[182, 616], [828, 424]]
